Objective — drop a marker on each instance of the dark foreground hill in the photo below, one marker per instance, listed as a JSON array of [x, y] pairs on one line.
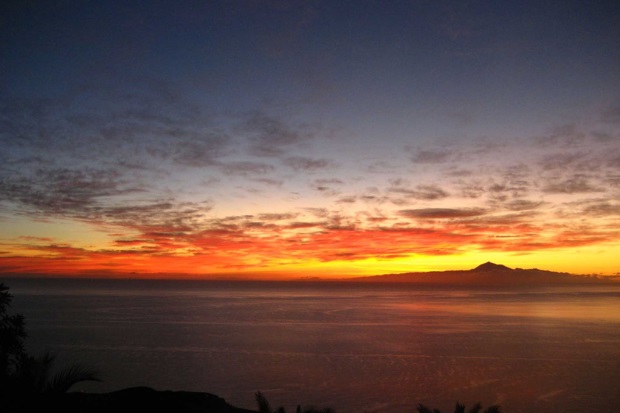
[[489, 274], [135, 399]]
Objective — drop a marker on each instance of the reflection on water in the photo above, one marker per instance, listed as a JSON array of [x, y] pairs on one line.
[[353, 347], [603, 306]]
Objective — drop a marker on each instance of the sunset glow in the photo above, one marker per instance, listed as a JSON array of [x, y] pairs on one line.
[[306, 139]]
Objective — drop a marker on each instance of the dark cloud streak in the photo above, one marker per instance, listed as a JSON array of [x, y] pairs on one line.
[[441, 213]]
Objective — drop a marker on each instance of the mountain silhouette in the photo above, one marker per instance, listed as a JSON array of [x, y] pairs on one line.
[[489, 274], [489, 266]]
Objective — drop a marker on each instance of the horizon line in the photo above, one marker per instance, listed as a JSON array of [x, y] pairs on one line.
[[260, 276]]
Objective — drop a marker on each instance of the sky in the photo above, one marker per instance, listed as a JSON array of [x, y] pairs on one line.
[[288, 139]]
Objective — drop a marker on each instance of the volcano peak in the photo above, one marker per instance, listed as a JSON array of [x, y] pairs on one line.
[[489, 266]]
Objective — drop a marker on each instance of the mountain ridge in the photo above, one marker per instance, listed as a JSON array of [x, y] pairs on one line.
[[490, 266], [490, 274]]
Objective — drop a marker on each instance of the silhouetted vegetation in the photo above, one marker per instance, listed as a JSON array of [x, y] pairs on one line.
[[265, 407], [23, 376], [12, 351], [460, 408], [12, 336]]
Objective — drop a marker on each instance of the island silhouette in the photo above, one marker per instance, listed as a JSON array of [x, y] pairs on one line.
[[488, 274]]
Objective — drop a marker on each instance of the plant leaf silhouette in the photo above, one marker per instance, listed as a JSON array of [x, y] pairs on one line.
[[12, 336], [35, 375], [476, 408], [262, 402], [68, 376], [23, 377], [423, 409]]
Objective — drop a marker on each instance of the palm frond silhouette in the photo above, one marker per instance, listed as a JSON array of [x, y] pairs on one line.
[[35, 375]]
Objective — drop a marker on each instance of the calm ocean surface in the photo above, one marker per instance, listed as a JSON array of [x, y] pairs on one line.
[[353, 347]]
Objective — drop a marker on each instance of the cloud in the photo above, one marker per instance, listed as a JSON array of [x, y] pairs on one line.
[[348, 199], [158, 218], [185, 232], [471, 189], [348, 244], [421, 192], [566, 135], [613, 160], [565, 160], [270, 136], [373, 196], [118, 141], [246, 168], [606, 208], [381, 167], [277, 217], [577, 184], [327, 186], [317, 212], [206, 150], [425, 156], [441, 213], [501, 191], [522, 205], [518, 221], [328, 181], [305, 225], [63, 190], [102, 198], [511, 181], [131, 242], [268, 181], [299, 163]]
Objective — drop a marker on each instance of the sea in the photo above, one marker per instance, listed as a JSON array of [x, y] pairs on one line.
[[354, 347]]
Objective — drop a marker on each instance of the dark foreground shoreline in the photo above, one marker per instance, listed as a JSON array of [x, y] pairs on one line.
[[134, 399]]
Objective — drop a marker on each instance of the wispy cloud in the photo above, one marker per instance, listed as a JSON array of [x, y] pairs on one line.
[[441, 213], [430, 156], [421, 192], [574, 185], [202, 151], [246, 168], [523, 205], [270, 136], [348, 199], [100, 197], [300, 163], [63, 191], [606, 208]]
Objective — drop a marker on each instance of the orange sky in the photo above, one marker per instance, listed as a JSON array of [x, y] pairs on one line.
[[282, 250]]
